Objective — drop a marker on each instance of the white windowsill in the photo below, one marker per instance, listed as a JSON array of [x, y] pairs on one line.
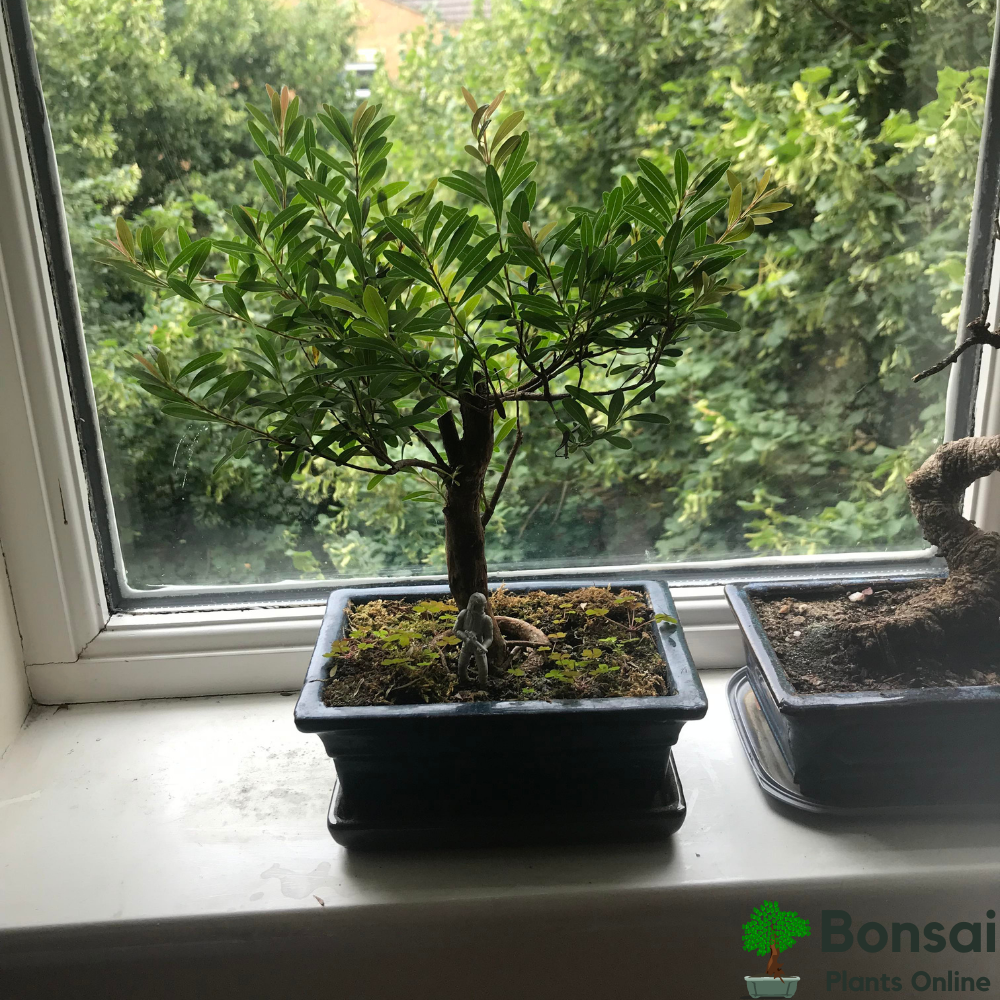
[[137, 828], [197, 653]]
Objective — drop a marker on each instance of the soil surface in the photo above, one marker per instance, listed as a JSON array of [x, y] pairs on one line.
[[405, 652], [803, 632]]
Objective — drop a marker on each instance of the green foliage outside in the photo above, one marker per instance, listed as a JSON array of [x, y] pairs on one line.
[[771, 925], [791, 435]]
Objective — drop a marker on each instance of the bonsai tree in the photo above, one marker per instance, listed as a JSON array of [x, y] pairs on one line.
[[396, 333], [771, 931]]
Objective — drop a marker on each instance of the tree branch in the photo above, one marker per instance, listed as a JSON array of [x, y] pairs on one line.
[[979, 333], [429, 445], [492, 505], [450, 439]]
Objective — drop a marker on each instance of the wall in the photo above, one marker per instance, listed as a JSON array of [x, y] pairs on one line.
[[380, 26], [15, 699]]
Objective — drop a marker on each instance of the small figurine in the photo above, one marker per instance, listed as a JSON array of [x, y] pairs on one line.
[[475, 628]]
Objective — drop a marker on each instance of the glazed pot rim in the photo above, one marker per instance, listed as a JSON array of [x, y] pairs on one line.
[[688, 702], [790, 702]]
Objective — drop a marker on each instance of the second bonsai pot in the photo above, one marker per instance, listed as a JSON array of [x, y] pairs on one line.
[[477, 758], [907, 746]]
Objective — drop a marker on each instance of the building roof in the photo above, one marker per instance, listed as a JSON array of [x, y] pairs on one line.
[[450, 11]]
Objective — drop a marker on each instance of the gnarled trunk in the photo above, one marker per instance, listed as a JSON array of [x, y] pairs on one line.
[[970, 597]]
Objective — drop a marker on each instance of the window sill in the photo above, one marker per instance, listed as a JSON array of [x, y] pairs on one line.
[[138, 831], [197, 653], [194, 652]]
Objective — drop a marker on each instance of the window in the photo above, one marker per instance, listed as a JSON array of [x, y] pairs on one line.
[[789, 438]]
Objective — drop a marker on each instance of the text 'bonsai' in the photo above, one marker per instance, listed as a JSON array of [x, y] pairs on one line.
[[400, 334]]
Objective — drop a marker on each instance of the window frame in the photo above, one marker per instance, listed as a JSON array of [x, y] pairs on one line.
[[88, 637]]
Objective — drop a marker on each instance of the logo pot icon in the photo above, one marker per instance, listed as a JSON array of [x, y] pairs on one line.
[[771, 931]]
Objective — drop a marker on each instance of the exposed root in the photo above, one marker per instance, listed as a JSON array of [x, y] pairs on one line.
[[517, 631]]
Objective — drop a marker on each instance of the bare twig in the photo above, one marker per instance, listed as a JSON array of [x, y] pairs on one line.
[[979, 333], [492, 505]]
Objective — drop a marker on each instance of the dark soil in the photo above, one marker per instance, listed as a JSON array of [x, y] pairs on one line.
[[803, 632], [405, 652]]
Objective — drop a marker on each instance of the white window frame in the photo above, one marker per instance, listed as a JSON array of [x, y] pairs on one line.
[[76, 649]]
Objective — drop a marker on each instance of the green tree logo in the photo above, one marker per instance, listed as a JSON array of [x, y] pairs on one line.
[[770, 931]]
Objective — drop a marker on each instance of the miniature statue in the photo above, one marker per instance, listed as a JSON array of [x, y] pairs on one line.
[[475, 628]]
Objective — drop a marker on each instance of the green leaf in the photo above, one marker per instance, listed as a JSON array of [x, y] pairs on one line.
[[188, 250], [645, 217], [504, 429], [616, 406], [735, 204], [237, 386], [710, 179], [656, 199], [321, 192], [338, 126], [431, 221], [704, 213], [459, 241], [235, 301], [186, 412], [506, 127], [269, 352], [199, 362], [410, 267], [576, 412], [124, 236], [374, 481], [658, 178], [485, 276], [286, 215], [354, 211], [466, 184], [185, 291], [267, 181], [198, 258], [262, 119], [673, 237], [373, 175], [681, 170], [514, 161], [476, 256], [405, 235], [340, 302], [742, 231], [376, 308], [512, 179], [583, 396], [245, 223], [649, 418]]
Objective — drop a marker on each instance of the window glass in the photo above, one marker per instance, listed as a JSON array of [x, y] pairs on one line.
[[793, 435]]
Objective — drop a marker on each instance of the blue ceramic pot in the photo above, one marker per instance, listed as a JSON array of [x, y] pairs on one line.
[[909, 746], [475, 757]]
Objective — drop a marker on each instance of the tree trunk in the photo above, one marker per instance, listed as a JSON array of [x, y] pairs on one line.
[[774, 968], [928, 623], [970, 598], [464, 533]]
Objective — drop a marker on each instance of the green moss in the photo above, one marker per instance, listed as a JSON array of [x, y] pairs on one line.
[[404, 652]]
